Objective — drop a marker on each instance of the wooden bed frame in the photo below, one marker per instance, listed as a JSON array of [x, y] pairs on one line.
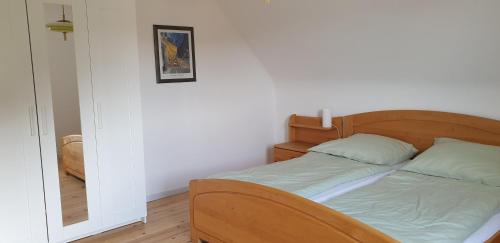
[[240, 212], [72, 156]]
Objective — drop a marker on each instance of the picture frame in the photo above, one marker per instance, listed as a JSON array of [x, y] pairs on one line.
[[174, 54]]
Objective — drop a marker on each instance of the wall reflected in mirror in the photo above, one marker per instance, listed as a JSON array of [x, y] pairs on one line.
[[66, 105]]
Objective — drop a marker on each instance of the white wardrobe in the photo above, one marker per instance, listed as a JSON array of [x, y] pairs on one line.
[[69, 101]]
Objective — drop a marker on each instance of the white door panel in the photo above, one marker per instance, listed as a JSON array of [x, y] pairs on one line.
[[114, 52], [22, 208]]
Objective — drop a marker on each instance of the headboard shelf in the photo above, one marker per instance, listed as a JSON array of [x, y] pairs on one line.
[[309, 130], [311, 127]]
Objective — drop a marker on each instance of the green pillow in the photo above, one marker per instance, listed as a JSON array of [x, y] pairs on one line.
[[368, 148], [460, 160]]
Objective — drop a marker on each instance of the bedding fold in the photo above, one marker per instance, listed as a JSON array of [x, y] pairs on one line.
[[308, 175]]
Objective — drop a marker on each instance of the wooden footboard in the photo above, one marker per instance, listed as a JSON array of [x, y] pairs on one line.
[[240, 212]]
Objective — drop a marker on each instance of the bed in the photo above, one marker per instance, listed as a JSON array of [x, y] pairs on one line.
[[72, 156], [236, 211]]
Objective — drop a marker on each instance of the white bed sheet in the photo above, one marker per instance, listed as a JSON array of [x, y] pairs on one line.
[[488, 230], [353, 185]]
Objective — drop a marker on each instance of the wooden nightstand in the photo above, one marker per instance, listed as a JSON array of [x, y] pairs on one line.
[[286, 151]]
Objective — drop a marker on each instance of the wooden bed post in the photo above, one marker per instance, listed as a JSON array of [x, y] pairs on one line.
[[291, 130], [347, 126]]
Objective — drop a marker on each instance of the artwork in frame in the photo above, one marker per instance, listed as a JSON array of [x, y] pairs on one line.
[[174, 53]]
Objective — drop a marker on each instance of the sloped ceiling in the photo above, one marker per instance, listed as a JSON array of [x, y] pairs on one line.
[[370, 39], [362, 55]]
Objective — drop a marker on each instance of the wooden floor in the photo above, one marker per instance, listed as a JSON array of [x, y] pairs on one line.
[[73, 199], [168, 221]]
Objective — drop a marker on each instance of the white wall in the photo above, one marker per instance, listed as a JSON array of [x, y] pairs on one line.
[[63, 76], [223, 121], [349, 56], [358, 55]]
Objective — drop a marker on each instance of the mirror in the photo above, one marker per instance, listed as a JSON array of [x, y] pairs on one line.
[[66, 107]]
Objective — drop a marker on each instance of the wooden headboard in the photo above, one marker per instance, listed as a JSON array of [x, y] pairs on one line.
[[421, 127]]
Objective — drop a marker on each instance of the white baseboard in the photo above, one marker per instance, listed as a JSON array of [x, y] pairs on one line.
[[156, 196]]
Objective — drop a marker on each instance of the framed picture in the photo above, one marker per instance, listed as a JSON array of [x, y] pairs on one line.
[[174, 53]]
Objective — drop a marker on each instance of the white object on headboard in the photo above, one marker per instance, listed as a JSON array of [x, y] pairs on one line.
[[327, 118]]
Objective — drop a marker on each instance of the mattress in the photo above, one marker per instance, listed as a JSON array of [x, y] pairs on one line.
[[412, 207], [311, 175]]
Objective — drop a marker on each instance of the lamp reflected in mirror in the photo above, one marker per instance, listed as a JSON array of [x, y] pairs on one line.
[[63, 25]]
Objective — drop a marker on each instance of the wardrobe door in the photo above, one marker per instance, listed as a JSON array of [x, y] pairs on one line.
[[22, 209], [63, 83], [114, 52]]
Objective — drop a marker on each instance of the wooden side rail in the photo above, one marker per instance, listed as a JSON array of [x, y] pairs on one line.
[[241, 212], [495, 238]]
